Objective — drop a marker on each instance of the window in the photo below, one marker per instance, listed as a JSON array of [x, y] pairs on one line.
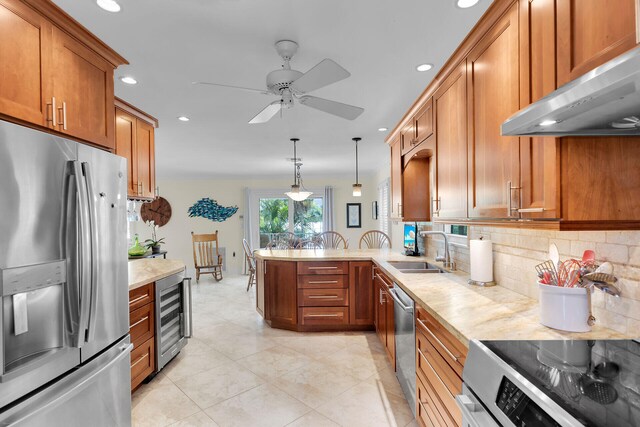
[[383, 207], [281, 215]]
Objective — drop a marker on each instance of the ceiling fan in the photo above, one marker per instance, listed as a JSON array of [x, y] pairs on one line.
[[290, 85]]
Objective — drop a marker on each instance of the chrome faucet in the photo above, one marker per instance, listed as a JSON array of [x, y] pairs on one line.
[[447, 263]]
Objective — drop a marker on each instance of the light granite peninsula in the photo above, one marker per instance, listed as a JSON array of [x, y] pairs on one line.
[[468, 312]]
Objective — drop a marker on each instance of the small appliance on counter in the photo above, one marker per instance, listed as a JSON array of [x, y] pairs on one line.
[[481, 257], [411, 240], [551, 383]]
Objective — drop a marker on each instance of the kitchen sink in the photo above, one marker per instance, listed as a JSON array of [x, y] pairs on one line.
[[416, 267]]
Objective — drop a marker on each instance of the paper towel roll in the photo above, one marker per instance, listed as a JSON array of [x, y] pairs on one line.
[[481, 254]]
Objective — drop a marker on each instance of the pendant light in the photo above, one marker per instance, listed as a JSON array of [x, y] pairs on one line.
[[295, 193], [357, 187]]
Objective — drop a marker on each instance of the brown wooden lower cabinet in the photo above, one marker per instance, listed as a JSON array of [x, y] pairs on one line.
[[318, 295], [142, 332], [384, 315], [439, 362]]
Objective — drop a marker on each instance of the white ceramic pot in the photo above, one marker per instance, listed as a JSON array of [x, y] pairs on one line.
[[563, 308]]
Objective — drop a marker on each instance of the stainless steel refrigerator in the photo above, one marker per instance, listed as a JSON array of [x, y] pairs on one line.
[[65, 348]]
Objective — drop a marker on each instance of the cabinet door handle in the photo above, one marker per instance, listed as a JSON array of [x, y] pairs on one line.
[[323, 268], [54, 111], [436, 339], [531, 210], [510, 189], [322, 296], [323, 282], [323, 315], [139, 188], [140, 298], [63, 110]]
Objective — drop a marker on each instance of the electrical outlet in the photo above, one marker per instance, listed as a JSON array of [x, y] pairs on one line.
[[234, 254]]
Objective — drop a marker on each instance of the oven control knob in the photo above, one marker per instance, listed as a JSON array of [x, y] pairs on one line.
[[465, 401]]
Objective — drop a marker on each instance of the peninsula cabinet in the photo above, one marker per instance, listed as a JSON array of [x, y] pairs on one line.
[[591, 32], [384, 313], [493, 96], [135, 142], [56, 75], [361, 293], [450, 186], [281, 293]]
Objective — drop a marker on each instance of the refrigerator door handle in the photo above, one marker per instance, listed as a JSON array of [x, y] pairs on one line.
[[188, 322], [83, 251], [93, 214]]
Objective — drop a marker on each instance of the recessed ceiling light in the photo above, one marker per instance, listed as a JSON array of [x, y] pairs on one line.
[[109, 5], [128, 80], [183, 118], [548, 122], [424, 67], [464, 4], [382, 129]]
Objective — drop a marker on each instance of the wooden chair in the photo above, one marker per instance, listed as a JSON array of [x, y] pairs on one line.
[[375, 239], [251, 262], [331, 240], [204, 258], [308, 244]]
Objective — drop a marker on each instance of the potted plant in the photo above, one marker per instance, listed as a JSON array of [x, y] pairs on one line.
[[153, 243]]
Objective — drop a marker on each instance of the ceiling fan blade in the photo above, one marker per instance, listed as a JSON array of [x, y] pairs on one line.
[[323, 74], [339, 109], [267, 113], [248, 89]]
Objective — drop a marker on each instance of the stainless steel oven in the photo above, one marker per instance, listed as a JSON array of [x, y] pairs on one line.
[[173, 317]]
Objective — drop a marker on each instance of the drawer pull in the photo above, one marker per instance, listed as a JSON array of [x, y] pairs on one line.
[[436, 374], [322, 282], [323, 268], [140, 298], [322, 296], [437, 340], [140, 359], [324, 315], [138, 322]]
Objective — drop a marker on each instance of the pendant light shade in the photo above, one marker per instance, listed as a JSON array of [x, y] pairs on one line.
[[298, 193], [357, 187]]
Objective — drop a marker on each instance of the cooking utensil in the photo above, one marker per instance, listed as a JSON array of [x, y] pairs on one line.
[[591, 320], [570, 385], [554, 255], [588, 258], [607, 288], [596, 276], [549, 268], [605, 267], [569, 273]]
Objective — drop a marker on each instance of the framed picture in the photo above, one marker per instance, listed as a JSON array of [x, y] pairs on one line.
[[374, 210], [354, 216]]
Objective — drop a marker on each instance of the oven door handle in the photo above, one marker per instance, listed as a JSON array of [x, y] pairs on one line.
[[474, 414]]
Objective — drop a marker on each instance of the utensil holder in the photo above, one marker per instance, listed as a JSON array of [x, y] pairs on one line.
[[566, 309]]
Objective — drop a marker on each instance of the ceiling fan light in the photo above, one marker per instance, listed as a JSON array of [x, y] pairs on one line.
[[357, 190]]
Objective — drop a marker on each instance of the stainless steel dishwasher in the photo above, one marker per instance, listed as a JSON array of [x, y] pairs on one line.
[[405, 330]]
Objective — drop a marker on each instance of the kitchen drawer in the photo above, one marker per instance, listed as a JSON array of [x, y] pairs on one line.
[[443, 399], [446, 373], [141, 296], [142, 362], [142, 324], [323, 297], [426, 411], [449, 347], [326, 281], [323, 267], [323, 316]]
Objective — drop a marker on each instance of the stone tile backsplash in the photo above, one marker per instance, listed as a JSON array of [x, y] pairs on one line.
[[516, 252]]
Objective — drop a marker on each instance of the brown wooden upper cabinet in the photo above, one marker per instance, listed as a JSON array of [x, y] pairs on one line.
[[450, 187], [55, 74], [418, 129], [591, 32], [135, 142], [539, 160], [396, 179], [493, 96]]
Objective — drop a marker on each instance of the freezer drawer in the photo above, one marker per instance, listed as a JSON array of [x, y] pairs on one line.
[[96, 394]]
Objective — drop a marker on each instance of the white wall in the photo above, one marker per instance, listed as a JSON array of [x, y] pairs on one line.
[[228, 192]]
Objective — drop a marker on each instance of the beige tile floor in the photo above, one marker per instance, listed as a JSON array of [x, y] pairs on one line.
[[237, 371]]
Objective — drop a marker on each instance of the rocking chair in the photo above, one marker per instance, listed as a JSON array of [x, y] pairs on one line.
[[204, 259]]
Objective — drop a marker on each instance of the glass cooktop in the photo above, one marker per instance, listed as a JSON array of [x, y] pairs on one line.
[[598, 382]]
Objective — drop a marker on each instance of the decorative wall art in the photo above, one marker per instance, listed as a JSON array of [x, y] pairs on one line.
[[354, 216], [210, 209]]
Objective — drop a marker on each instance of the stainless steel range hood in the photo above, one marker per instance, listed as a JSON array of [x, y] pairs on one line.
[[604, 101]]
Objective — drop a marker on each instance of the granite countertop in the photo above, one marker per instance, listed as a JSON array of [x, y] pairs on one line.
[[468, 312], [147, 270]]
